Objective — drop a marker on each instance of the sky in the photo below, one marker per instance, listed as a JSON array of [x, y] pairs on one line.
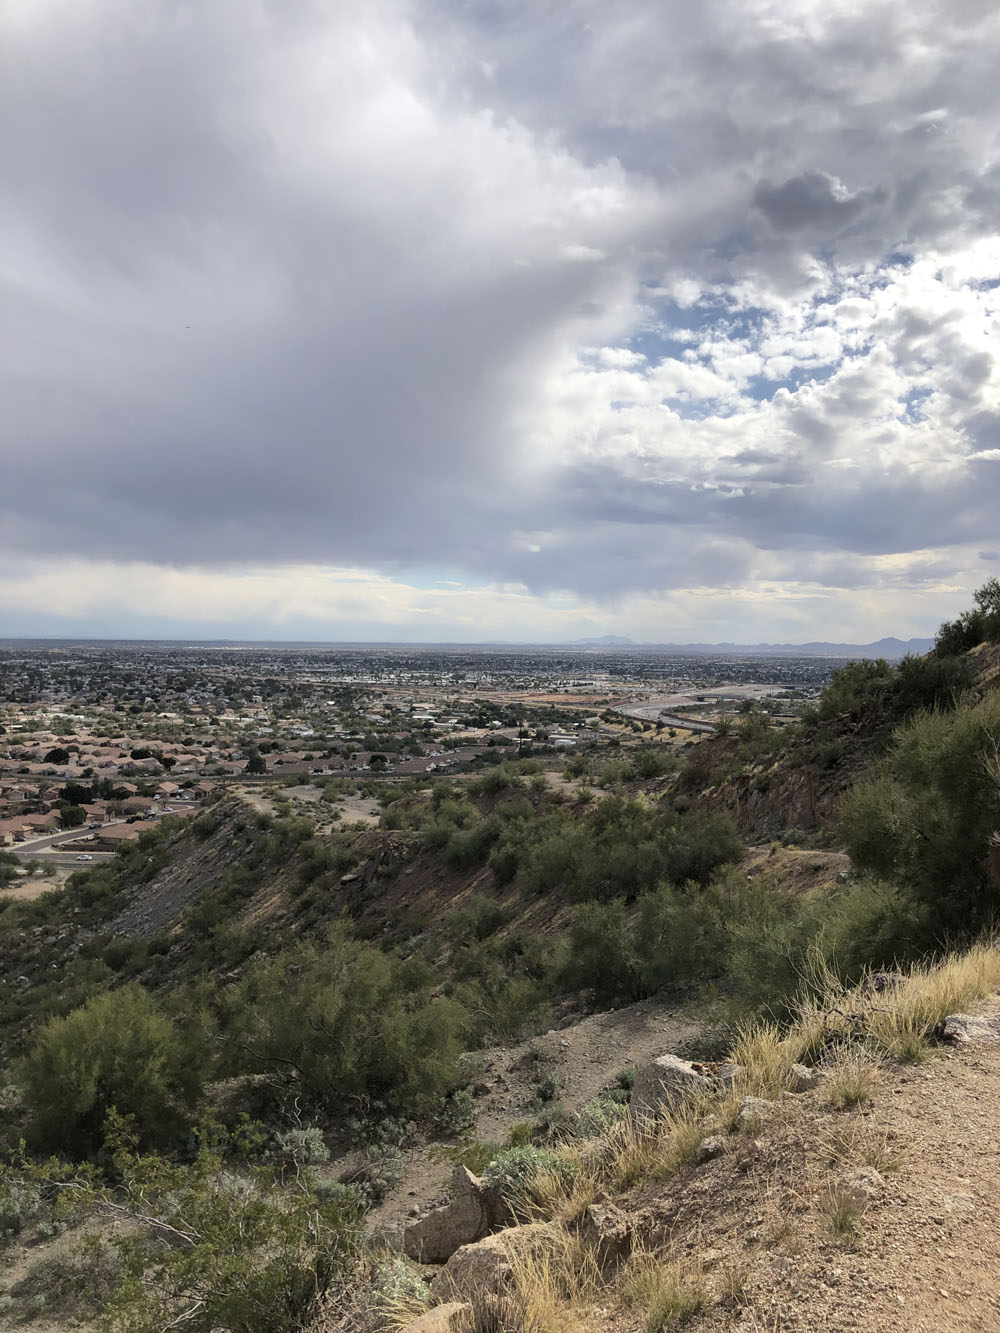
[[461, 320]]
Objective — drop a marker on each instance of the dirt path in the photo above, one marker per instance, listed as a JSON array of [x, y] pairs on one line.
[[929, 1258]]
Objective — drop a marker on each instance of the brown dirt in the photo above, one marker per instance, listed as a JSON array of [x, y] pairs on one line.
[[26, 890], [796, 871], [926, 1259]]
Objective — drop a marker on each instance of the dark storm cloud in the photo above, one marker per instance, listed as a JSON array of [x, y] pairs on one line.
[[300, 283], [813, 199]]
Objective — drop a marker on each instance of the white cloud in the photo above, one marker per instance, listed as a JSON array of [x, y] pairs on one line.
[[614, 305]]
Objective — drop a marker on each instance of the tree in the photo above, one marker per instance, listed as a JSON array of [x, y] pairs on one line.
[[72, 816], [926, 819], [255, 764], [57, 756], [118, 1051]]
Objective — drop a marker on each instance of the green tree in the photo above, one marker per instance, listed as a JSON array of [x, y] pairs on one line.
[[925, 820], [119, 1051]]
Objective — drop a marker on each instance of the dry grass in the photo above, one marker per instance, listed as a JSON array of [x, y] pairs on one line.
[[555, 1286], [556, 1195], [842, 1211], [860, 1142], [851, 1079], [899, 1021], [668, 1292], [653, 1150], [765, 1056]]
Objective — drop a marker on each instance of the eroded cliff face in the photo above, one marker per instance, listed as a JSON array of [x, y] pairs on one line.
[[797, 787]]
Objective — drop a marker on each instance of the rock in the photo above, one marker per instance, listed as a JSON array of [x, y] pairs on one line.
[[752, 1111], [963, 1028], [608, 1231], [727, 1074], [486, 1264], [665, 1082], [436, 1236], [864, 1186], [801, 1078], [442, 1319], [710, 1148]]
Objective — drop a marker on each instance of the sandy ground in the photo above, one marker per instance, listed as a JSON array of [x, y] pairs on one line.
[[29, 887]]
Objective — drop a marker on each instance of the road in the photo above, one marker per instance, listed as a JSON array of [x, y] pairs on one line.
[[654, 713], [27, 851]]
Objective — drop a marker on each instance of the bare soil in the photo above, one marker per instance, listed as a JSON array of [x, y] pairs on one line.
[[584, 1058], [925, 1257]]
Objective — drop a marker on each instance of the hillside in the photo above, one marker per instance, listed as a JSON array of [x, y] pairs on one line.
[[864, 1200], [256, 1045]]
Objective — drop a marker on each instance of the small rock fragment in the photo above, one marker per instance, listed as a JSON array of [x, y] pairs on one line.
[[442, 1319], [964, 1028], [710, 1148], [752, 1110], [801, 1078]]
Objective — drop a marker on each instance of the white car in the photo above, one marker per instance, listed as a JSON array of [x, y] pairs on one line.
[[85, 856]]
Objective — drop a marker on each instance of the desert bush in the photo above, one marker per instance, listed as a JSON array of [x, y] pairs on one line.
[[339, 1022], [925, 820], [252, 1257], [456, 1113], [119, 1051], [513, 1172]]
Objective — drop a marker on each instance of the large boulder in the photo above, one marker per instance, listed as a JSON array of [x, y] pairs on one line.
[[435, 1237], [486, 1265], [665, 1083]]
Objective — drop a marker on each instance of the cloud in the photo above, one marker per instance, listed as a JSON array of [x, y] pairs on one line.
[[813, 199], [602, 302]]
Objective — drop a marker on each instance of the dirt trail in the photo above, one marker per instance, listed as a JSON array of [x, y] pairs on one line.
[[929, 1259]]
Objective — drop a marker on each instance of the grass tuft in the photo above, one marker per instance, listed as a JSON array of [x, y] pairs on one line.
[[852, 1080], [669, 1293], [842, 1211]]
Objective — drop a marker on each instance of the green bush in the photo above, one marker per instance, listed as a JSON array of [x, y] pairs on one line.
[[117, 1052], [512, 1172], [340, 1022], [926, 818]]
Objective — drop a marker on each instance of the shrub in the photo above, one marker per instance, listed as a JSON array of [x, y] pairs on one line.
[[926, 819], [512, 1172], [118, 1051], [457, 1112], [349, 1024], [598, 1116], [19, 1201]]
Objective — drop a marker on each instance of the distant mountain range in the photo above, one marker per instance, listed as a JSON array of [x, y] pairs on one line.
[[889, 648]]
